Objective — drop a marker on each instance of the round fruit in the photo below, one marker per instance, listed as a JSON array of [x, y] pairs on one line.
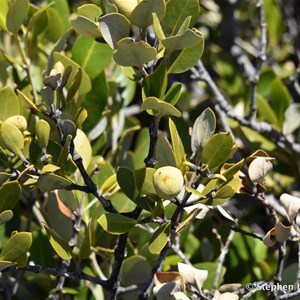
[[19, 121], [168, 182]]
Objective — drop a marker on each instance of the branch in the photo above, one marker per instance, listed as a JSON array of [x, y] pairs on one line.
[[150, 160], [200, 73], [224, 252], [260, 59]]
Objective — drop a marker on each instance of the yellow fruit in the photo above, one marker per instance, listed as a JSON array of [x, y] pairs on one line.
[[19, 121], [168, 182]]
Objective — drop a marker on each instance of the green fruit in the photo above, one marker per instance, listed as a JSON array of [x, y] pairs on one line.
[[168, 182], [19, 121]]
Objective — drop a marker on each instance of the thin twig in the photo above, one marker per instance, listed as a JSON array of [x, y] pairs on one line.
[[200, 73], [224, 252], [261, 57]]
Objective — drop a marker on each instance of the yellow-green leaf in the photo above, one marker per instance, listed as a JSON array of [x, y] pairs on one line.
[[42, 130], [11, 138], [132, 53], [115, 223], [16, 15], [5, 216], [160, 107], [58, 244], [160, 238], [114, 27], [50, 182]]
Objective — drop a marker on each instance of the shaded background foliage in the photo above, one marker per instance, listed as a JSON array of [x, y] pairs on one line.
[[118, 134]]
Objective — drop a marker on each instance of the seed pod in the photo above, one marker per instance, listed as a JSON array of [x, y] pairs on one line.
[[168, 182], [19, 121], [42, 130], [11, 138]]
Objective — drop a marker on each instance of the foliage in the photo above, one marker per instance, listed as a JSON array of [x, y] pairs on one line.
[[137, 160]]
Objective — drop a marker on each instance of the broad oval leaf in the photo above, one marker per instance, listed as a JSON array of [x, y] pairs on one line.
[[9, 195], [127, 182], [160, 238], [180, 61], [291, 118], [86, 53], [291, 205], [114, 27], [164, 152], [50, 182], [217, 150], [62, 249], [9, 103], [16, 15], [91, 11], [160, 107], [132, 53], [5, 216], [16, 247], [259, 168], [11, 138], [203, 128], [83, 147], [174, 93], [86, 27], [125, 7], [177, 144], [85, 85], [142, 14], [115, 223], [182, 9], [42, 130], [186, 40]]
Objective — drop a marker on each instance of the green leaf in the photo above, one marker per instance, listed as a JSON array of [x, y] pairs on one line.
[[228, 173], [3, 177], [50, 182], [85, 86], [188, 39], [74, 85], [16, 247], [144, 181], [9, 103], [28, 102], [155, 84], [126, 180], [132, 53], [114, 27], [203, 128], [180, 61], [174, 93], [125, 7], [217, 150], [86, 27], [62, 249], [160, 238], [280, 98], [265, 110], [16, 15], [177, 144], [86, 53], [95, 101], [176, 13], [85, 248], [11, 138], [90, 11], [164, 152], [159, 33], [115, 223], [42, 130], [83, 147], [10, 193], [5, 216], [159, 107], [142, 14], [3, 12]]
